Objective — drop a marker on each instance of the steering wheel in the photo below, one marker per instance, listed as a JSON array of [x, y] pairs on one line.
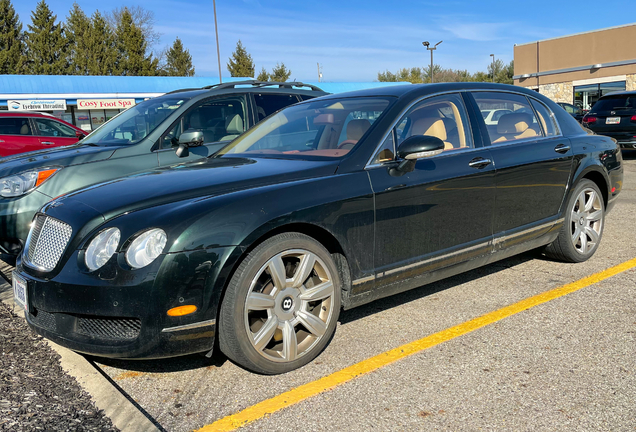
[[349, 143]]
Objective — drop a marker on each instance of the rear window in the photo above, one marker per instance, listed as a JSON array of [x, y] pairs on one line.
[[624, 103]]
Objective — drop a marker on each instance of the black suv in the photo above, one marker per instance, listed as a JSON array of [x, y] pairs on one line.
[[176, 127], [614, 115]]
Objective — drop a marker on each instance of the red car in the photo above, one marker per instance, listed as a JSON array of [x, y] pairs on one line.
[[22, 132]]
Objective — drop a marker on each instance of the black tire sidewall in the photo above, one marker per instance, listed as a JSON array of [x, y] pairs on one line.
[[233, 338]]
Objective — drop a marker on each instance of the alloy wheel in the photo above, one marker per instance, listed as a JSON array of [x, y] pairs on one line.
[[586, 221], [289, 305]]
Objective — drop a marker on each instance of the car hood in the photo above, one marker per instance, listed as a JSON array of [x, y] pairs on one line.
[[200, 179], [58, 156]]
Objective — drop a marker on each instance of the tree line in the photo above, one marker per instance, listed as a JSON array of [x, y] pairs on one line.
[[118, 42], [242, 65], [502, 72]]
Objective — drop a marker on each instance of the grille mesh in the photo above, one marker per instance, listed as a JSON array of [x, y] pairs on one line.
[[111, 328], [47, 241], [45, 320]]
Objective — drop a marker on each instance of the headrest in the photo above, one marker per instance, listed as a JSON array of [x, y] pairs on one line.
[[430, 126], [357, 128], [24, 130], [514, 123], [234, 125], [195, 120]]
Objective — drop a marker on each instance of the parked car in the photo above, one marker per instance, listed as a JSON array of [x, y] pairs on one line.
[[143, 137], [492, 116], [573, 110], [614, 115], [331, 203], [22, 132]]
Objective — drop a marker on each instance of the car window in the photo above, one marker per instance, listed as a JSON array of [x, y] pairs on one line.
[[312, 129], [52, 128], [220, 119], [14, 126], [518, 121], [443, 117], [268, 104], [568, 108], [546, 118]]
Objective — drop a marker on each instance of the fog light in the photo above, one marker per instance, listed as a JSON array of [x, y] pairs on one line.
[[182, 310]]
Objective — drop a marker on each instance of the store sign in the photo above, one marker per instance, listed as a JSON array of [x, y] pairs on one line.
[[105, 103], [36, 105]]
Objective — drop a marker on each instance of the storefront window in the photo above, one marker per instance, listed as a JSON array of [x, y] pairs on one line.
[[586, 96], [98, 118], [111, 113], [83, 120]]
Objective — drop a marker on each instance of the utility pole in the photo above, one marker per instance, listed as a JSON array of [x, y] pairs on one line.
[[427, 45], [218, 53], [493, 67], [319, 73]]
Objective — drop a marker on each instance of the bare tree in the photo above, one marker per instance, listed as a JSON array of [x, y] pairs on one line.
[[143, 18]]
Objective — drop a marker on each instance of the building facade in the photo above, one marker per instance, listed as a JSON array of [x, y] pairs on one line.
[[579, 68]]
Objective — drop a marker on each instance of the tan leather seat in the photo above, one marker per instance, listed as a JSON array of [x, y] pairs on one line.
[[432, 126], [514, 127], [355, 130], [25, 130]]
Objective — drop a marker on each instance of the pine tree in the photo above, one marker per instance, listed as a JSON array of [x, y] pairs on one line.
[[280, 73], [131, 47], [11, 40], [263, 75], [178, 61], [78, 29], [240, 64], [102, 51], [45, 43]]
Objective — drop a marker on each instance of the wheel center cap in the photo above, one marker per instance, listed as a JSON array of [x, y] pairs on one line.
[[287, 304], [581, 221]]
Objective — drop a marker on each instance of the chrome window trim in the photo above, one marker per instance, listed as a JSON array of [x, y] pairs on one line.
[[370, 163]]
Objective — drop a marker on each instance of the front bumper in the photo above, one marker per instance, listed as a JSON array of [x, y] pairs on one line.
[[126, 317], [16, 215]]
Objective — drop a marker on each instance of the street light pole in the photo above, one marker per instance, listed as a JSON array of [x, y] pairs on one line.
[[493, 67], [218, 53], [427, 45]]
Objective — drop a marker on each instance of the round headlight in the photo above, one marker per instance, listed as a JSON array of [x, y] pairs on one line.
[[146, 248], [102, 248]]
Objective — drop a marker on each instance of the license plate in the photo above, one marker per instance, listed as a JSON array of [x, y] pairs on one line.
[[612, 120], [20, 292]]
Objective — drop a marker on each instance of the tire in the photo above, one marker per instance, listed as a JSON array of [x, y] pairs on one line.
[[287, 323], [582, 229]]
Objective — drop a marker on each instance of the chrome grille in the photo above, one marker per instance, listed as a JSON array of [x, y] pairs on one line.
[[46, 243]]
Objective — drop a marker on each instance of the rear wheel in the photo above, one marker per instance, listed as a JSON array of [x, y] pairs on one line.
[[583, 226], [281, 307]]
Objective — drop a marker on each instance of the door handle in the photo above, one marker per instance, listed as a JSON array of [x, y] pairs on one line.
[[47, 142], [562, 148], [479, 163], [1, 140]]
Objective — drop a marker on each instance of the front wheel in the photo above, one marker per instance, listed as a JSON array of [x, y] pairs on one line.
[[281, 307], [583, 226]]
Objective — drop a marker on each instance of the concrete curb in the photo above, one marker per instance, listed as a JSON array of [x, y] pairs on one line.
[[124, 413]]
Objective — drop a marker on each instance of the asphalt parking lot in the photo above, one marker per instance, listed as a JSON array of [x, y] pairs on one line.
[[567, 364]]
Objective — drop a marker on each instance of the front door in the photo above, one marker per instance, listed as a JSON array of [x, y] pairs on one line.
[[534, 163], [221, 119], [441, 213], [53, 133]]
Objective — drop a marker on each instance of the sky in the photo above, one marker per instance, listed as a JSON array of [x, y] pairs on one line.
[[354, 40]]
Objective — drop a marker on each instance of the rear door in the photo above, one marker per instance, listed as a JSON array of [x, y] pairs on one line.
[[533, 162], [52, 133], [16, 136]]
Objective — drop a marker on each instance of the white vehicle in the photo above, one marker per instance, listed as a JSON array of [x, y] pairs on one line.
[[491, 117]]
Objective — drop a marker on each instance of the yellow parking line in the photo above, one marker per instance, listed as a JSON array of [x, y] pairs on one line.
[[298, 394]]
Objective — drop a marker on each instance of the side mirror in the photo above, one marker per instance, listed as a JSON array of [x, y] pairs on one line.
[[416, 147], [191, 138], [80, 135]]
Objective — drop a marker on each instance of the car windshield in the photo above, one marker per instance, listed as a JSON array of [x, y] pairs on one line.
[[313, 130], [136, 123], [616, 103]]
